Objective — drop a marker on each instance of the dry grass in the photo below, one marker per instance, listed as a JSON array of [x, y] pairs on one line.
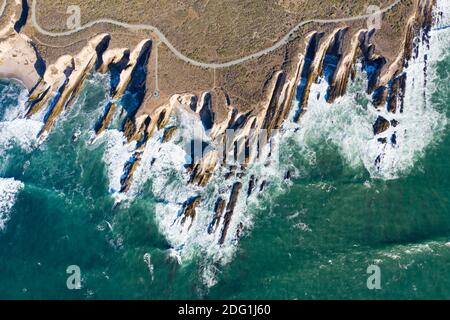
[[215, 31], [208, 30]]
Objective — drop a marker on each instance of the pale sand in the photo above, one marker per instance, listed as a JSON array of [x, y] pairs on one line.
[[17, 60]]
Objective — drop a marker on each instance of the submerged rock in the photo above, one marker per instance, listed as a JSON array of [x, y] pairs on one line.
[[394, 138], [188, 210]]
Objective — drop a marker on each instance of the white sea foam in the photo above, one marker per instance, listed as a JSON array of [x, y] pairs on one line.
[[343, 124], [117, 152], [14, 112], [412, 251], [442, 6], [164, 165], [421, 124], [14, 130], [347, 124], [9, 189], [19, 132]]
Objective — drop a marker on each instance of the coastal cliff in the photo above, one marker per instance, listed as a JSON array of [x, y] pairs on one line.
[[219, 149]]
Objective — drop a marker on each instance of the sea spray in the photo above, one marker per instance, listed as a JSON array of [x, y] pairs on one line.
[[9, 189], [12, 100], [347, 123], [164, 164], [14, 130]]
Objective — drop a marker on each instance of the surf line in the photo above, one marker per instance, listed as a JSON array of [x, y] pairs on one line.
[[283, 41]]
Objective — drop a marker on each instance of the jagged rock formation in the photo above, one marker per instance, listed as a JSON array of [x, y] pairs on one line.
[[225, 148], [128, 74], [230, 210], [75, 70]]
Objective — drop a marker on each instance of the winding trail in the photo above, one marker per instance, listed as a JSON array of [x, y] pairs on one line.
[[134, 27]]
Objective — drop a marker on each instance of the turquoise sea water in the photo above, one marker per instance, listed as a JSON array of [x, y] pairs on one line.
[[313, 238]]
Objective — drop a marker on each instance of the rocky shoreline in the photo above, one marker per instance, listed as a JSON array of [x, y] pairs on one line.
[[333, 57]]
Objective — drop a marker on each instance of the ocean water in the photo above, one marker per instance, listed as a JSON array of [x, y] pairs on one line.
[[310, 238]]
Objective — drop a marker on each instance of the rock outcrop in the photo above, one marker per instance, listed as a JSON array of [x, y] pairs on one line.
[[75, 70]]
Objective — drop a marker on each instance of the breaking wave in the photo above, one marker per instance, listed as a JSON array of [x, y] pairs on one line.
[[347, 123], [14, 130], [21, 132], [8, 194]]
